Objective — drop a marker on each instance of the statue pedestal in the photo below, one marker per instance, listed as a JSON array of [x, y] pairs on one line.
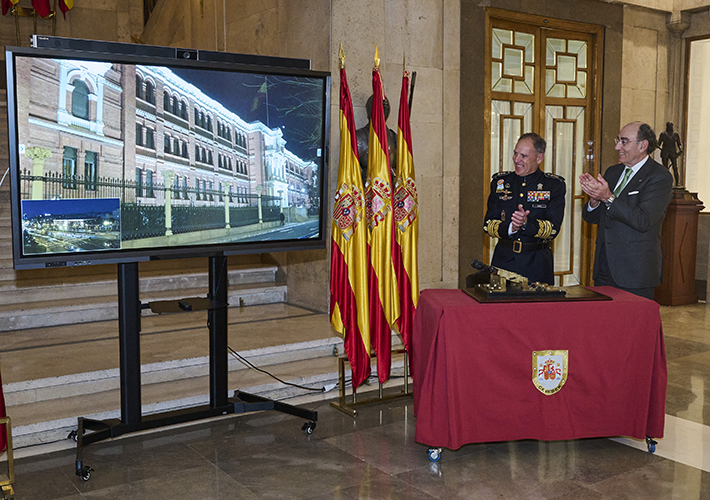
[[679, 240]]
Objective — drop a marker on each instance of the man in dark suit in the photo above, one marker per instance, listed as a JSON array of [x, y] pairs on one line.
[[525, 211], [629, 203]]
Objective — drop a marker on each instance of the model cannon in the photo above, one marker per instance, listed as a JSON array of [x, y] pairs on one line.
[[506, 284]]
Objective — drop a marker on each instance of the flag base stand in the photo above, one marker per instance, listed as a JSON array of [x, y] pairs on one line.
[[6, 480], [349, 407]]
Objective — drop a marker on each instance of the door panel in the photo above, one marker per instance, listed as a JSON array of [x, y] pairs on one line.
[[544, 77]]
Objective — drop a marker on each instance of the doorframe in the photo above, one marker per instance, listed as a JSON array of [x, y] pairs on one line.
[[595, 82]]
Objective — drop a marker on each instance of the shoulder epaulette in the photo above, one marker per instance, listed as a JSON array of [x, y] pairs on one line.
[[555, 176], [498, 175]]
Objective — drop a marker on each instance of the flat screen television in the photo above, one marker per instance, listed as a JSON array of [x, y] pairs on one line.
[[124, 153]]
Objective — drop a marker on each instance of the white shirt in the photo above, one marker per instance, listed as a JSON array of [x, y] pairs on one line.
[[635, 169]]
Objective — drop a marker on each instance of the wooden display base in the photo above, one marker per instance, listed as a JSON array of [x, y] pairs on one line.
[[679, 238], [561, 294]]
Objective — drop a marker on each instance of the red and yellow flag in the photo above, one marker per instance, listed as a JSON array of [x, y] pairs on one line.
[[384, 300], [406, 220], [65, 6], [41, 7], [7, 5], [348, 269]]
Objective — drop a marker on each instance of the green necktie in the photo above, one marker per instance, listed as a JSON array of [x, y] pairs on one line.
[[620, 187]]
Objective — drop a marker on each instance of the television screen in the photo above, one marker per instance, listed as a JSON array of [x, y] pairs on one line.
[[123, 157]]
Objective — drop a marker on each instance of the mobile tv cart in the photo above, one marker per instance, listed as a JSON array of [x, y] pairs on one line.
[[129, 311]]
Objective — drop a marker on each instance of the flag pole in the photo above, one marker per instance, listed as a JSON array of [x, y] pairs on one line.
[[267, 102]]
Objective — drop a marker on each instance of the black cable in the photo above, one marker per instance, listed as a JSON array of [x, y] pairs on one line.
[[249, 364]]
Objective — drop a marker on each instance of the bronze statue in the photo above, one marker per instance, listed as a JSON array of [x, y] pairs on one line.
[[671, 148], [363, 138]]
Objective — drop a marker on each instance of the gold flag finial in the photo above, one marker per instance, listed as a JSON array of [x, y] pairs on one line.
[[377, 56], [404, 62], [341, 57]]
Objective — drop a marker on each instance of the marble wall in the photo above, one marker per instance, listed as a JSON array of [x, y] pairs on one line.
[[644, 82]]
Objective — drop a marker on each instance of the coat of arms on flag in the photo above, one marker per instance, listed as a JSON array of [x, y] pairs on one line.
[[405, 204], [377, 195], [348, 207], [549, 370]]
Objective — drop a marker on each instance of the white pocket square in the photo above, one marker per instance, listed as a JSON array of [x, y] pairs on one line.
[[633, 192]]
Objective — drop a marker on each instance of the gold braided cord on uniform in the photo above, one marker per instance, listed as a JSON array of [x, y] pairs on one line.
[[545, 230], [492, 228]]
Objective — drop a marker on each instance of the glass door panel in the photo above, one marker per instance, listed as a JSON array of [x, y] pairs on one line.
[[540, 82]]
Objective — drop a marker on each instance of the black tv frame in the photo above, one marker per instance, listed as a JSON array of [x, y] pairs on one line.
[[90, 50]]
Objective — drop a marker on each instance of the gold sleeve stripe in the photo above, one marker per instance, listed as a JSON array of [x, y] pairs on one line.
[[492, 228], [545, 229]]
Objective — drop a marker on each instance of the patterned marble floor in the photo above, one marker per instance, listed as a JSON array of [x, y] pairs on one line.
[[267, 455]]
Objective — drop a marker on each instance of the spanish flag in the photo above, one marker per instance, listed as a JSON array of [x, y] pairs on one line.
[[384, 300], [41, 7], [349, 310], [406, 220], [7, 5], [65, 6]]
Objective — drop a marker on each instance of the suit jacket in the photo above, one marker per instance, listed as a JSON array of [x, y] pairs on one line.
[[630, 229]]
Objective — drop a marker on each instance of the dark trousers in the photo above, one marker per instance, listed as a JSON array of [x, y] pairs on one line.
[[604, 278]]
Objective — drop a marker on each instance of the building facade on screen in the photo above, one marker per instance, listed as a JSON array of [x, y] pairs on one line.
[[137, 132]]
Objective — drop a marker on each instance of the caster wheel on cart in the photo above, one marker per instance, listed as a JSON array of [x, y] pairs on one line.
[[309, 427], [434, 454], [651, 443], [84, 473]]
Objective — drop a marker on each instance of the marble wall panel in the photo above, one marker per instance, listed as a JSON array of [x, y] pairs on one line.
[[452, 34], [94, 23], [255, 33], [427, 104], [123, 27], [643, 103], [414, 28], [430, 192], [451, 111], [640, 57], [449, 232], [427, 140], [238, 10], [303, 26], [308, 279], [359, 27], [637, 105]]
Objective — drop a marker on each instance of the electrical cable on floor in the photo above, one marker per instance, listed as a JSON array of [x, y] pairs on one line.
[[250, 365]]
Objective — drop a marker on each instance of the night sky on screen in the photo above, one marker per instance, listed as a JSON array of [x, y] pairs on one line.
[[295, 104], [78, 207]]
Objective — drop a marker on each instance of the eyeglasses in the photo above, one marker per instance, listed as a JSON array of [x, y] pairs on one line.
[[624, 141]]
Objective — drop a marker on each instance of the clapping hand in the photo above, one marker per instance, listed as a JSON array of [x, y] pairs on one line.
[[519, 218], [597, 189]]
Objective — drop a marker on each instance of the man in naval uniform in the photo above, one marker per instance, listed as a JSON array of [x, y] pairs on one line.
[[525, 211]]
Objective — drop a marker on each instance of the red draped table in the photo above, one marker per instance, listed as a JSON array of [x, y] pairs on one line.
[[472, 366]]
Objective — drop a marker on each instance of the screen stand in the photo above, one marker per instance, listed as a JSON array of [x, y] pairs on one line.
[[91, 431]]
